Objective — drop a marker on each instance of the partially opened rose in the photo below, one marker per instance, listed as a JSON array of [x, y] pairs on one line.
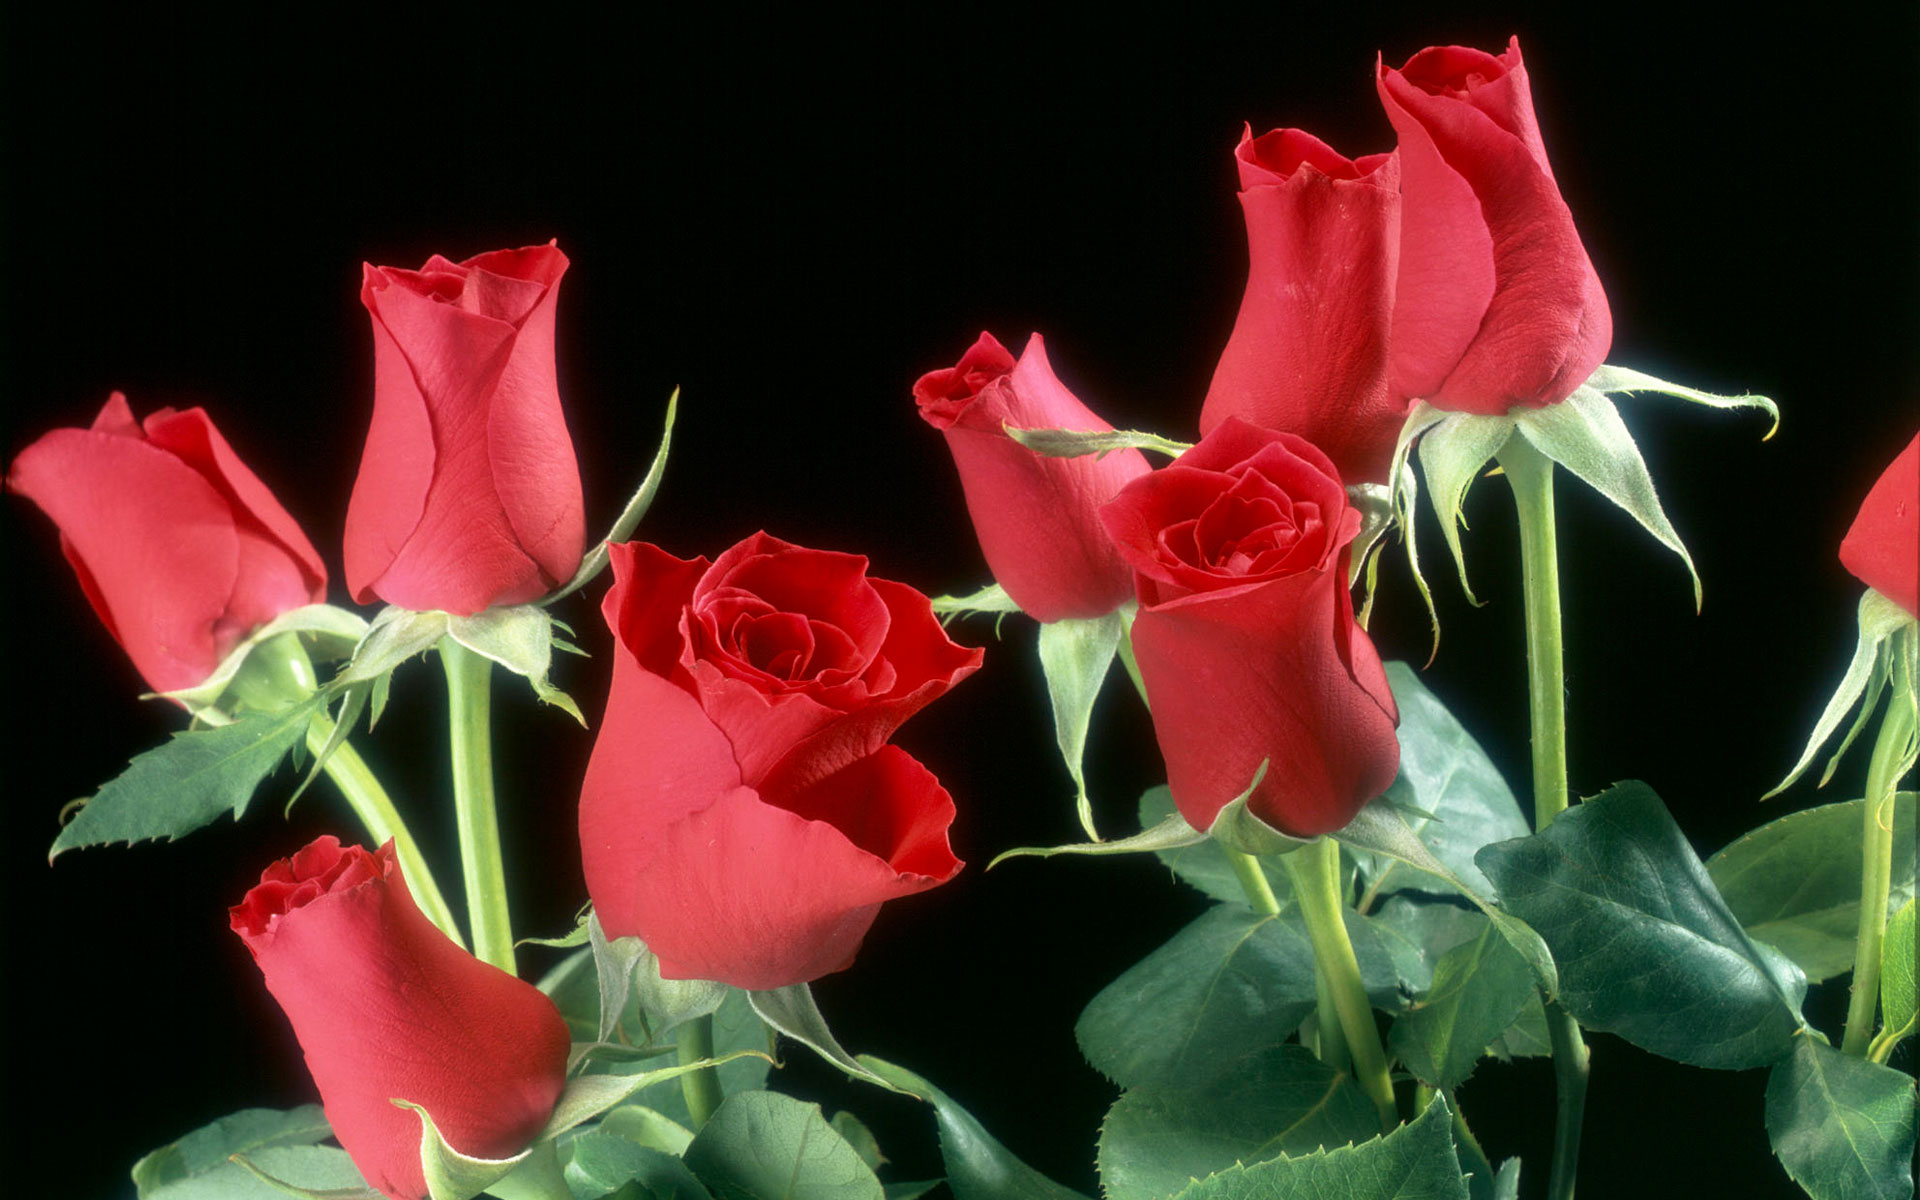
[[180, 549], [1246, 639], [468, 494], [386, 1008], [742, 813], [1037, 518], [1882, 546], [1308, 353], [1497, 305]]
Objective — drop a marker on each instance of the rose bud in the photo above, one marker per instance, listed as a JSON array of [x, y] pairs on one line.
[[387, 1008], [741, 813], [468, 494], [1037, 518], [1882, 547], [180, 549], [1308, 353], [1246, 639], [1497, 305]]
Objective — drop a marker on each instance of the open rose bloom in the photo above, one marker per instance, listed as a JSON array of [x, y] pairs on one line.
[[1246, 638], [742, 813]]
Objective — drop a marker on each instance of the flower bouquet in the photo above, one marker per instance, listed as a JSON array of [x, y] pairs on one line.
[[1261, 897]]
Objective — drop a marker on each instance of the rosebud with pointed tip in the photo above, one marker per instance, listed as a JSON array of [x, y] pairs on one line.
[[1882, 547]]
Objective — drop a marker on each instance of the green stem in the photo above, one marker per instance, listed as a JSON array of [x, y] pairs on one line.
[[1876, 865], [538, 1177], [1253, 881], [1530, 474], [371, 804], [480, 863], [1315, 871], [1463, 1136], [694, 1041]]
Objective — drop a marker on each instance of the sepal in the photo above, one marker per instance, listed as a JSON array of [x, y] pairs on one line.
[[629, 518], [1075, 656], [1887, 654], [1075, 443], [273, 662]]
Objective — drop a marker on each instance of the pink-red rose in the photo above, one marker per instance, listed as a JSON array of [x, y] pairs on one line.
[[468, 494], [1037, 518], [387, 1008], [742, 813], [1245, 637], [1882, 547], [180, 549], [1497, 305], [1308, 353]]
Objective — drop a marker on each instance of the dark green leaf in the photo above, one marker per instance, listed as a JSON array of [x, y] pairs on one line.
[[1279, 1101], [1445, 775], [206, 1149], [859, 1137], [978, 1166], [1645, 947], [765, 1146], [1896, 973], [736, 1027], [601, 1161], [1228, 984], [1417, 930], [1202, 862], [1478, 990], [1527, 1037], [1414, 1162], [1842, 1126], [199, 774], [1795, 882]]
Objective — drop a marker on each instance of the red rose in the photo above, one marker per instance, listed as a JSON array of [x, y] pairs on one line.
[[1308, 354], [180, 549], [1497, 306], [387, 1008], [468, 494], [1246, 639], [741, 812], [1037, 518], [1882, 547]]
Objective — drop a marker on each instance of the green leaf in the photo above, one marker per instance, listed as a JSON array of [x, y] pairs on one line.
[[1451, 455], [1452, 796], [1418, 930], [1073, 443], [1584, 434], [1527, 1037], [629, 518], [737, 1030], [1230, 983], [1878, 619], [1841, 1126], [1414, 1162], [911, 1189], [978, 1166], [572, 986], [1380, 829], [1202, 861], [1645, 946], [1794, 883], [791, 1010], [602, 1160], [520, 639], [859, 1137], [188, 782], [1076, 655], [647, 1127], [765, 1146], [306, 1172], [198, 1164], [1281, 1100], [1896, 973], [1620, 380], [1478, 991]]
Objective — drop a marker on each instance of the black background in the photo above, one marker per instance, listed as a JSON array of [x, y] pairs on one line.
[[791, 220]]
